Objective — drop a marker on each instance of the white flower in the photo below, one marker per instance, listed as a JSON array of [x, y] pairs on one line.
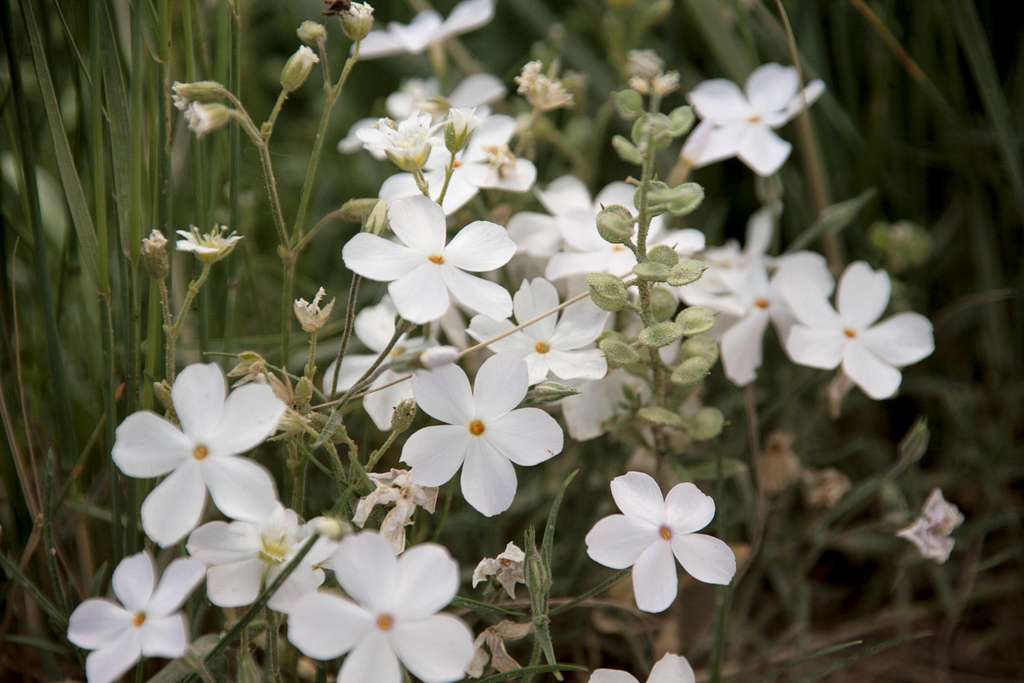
[[460, 125], [599, 401], [483, 433], [738, 124], [374, 327], [242, 557], [669, 669], [203, 454], [407, 144], [208, 247], [395, 487], [147, 623], [507, 567], [651, 530], [930, 531], [553, 344], [438, 356], [426, 29], [391, 617], [424, 271], [870, 354]]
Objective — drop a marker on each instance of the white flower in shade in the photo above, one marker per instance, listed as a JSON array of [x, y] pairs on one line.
[[669, 669], [484, 432], [374, 327], [423, 271], [553, 344], [208, 247], [243, 557], [395, 488], [576, 219], [566, 200], [392, 616], [508, 567], [869, 353], [598, 402], [407, 144], [146, 623], [651, 530], [426, 29], [931, 530], [203, 454], [741, 124]]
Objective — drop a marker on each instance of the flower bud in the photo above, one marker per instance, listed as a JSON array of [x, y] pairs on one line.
[[705, 424], [303, 392], [311, 32], [687, 271], [377, 220], [204, 118], [678, 201], [629, 103], [663, 253], [403, 415], [461, 124], [331, 527], [662, 417], [700, 346], [627, 151], [663, 303], [615, 224], [297, 69], [162, 391], [618, 351], [357, 210], [660, 334], [607, 291], [696, 320], [154, 254], [357, 20], [438, 356], [548, 392], [691, 371], [651, 271], [184, 94]]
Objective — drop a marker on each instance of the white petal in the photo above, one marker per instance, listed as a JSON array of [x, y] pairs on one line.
[[198, 396], [807, 300], [174, 507], [352, 368], [585, 364], [109, 663], [147, 445], [165, 637], [637, 495], [366, 569], [688, 509], [814, 347], [477, 89], [477, 294], [705, 558], [863, 295], [533, 298], [220, 542], [480, 246], [709, 143], [519, 178], [535, 234], [564, 194], [350, 144], [527, 436], [428, 579], [444, 394], [235, 584], [381, 404], [177, 582], [483, 327], [324, 626], [488, 479], [97, 622], [419, 222], [435, 454], [420, 294], [811, 92], [300, 583], [372, 659], [434, 650], [684, 242], [500, 385], [771, 86], [580, 324], [377, 258], [901, 340], [616, 192], [496, 130], [250, 416], [240, 488], [742, 346], [467, 16], [720, 101], [403, 185], [875, 377], [672, 669], [611, 676], [598, 401], [423, 30], [655, 582], [375, 325], [566, 263], [379, 44], [762, 150], [804, 269], [616, 541]]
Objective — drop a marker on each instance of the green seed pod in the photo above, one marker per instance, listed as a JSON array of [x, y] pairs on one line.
[[688, 270], [660, 334], [615, 224], [678, 201], [629, 103], [619, 352], [627, 151], [700, 346], [680, 120], [663, 253], [663, 303], [651, 271], [691, 371], [696, 320], [663, 417], [705, 424], [607, 292]]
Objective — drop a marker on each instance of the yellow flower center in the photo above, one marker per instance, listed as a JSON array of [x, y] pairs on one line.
[[754, 119], [436, 258], [761, 302], [850, 332], [385, 622], [665, 533], [476, 428], [542, 347], [200, 452], [139, 619]]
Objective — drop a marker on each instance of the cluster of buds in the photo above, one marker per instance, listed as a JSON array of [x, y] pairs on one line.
[[647, 74], [309, 313], [543, 92]]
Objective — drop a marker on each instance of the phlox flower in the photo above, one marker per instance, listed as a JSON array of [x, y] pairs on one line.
[[930, 532], [203, 454], [508, 567], [870, 354], [427, 28], [374, 327], [422, 270], [395, 488], [244, 556], [597, 402], [553, 344], [146, 623], [390, 617], [651, 530], [669, 669], [740, 123], [484, 432]]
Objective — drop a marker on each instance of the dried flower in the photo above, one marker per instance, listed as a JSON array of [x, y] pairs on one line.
[[311, 317], [823, 489], [311, 32], [154, 254], [541, 91], [506, 567], [204, 118], [395, 487], [778, 466], [493, 639], [357, 20]]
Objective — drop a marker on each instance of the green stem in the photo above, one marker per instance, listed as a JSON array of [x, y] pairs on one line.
[[174, 331], [447, 180], [346, 334], [596, 590], [273, 651]]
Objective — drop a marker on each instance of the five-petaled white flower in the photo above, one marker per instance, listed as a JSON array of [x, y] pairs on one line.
[[931, 530], [651, 530], [426, 29], [508, 567], [423, 270], [395, 488], [870, 354], [669, 669], [740, 124], [408, 143], [552, 344], [392, 616], [242, 557], [484, 432], [203, 454], [147, 623], [208, 247]]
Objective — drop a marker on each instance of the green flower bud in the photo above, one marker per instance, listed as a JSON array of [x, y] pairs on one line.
[[619, 352], [607, 291], [377, 220], [705, 424], [297, 69], [403, 415], [548, 392], [663, 417], [629, 103], [357, 210], [691, 371], [311, 32], [696, 320], [357, 20], [700, 346], [663, 303], [686, 271], [184, 94], [663, 253], [627, 151], [680, 120], [303, 391], [461, 124], [615, 224], [660, 334], [651, 271], [678, 201]]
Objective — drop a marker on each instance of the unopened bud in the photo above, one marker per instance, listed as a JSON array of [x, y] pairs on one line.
[[311, 32], [662, 417], [357, 20], [403, 415], [678, 201], [663, 253], [461, 124], [357, 210], [297, 69], [548, 392], [438, 356], [660, 334], [154, 254], [705, 424], [615, 224], [377, 220], [691, 371], [607, 291], [303, 391], [204, 118], [696, 320], [331, 527], [685, 272], [663, 303], [184, 94]]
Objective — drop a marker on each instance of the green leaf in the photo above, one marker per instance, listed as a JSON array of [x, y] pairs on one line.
[[547, 543], [834, 219], [486, 608]]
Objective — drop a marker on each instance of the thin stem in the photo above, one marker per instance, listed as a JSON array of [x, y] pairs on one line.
[[346, 334], [174, 331], [267, 129], [273, 651], [448, 172], [586, 595]]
